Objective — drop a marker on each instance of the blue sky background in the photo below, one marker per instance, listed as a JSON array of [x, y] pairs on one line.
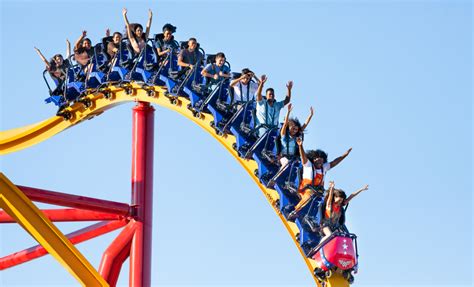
[[392, 79]]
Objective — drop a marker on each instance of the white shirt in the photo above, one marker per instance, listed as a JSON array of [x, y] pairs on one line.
[[248, 94], [308, 171]]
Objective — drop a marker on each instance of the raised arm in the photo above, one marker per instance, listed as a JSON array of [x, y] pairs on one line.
[[148, 24], [304, 159], [127, 24], [355, 194], [339, 159], [78, 42], [306, 123], [263, 79], [235, 81], [132, 39], [68, 49], [330, 196], [285, 122], [42, 58], [289, 86]]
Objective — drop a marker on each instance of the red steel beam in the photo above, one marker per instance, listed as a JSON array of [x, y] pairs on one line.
[[136, 258], [142, 193], [116, 254], [77, 201], [76, 237], [67, 214]]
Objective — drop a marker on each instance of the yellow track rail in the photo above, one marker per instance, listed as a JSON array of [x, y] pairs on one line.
[[17, 139]]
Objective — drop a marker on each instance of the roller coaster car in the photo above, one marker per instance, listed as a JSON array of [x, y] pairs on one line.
[[336, 254]]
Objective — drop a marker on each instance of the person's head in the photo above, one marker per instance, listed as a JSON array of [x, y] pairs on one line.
[[339, 196], [192, 44], [270, 94], [220, 59], [168, 31], [247, 76], [117, 37], [294, 127], [317, 157], [86, 43], [137, 31], [57, 60]]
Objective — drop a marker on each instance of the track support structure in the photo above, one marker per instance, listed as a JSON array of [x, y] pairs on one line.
[[142, 194]]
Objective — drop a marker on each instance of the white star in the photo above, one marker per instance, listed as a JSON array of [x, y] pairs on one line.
[[345, 253], [344, 246]]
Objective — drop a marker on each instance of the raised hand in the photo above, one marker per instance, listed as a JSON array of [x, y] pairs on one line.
[[290, 107], [348, 152], [150, 13], [124, 11], [107, 32], [311, 111], [263, 79], [331, 184], [299, 141], [366, 187], [37, 49], [84, 33], [289, 85]]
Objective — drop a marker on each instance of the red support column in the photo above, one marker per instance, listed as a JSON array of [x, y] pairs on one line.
[[142, 193]]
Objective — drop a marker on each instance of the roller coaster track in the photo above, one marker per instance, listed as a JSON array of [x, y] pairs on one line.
[[97, 102]]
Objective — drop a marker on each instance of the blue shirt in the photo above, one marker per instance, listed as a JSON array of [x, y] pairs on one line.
[[288, 145], [268, 115], [213, 69]]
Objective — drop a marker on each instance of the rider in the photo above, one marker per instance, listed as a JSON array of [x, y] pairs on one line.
[[165, 42], [135, 32], [57, 67], [216, 72], [333, 211], [287, 149], [315, 166], [244, 88], [268, 109], [189, 57]]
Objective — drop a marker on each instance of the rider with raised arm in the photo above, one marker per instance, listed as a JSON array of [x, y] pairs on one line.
[[315, 166], [268, 109], [135, 32], [83, 51], [244, 88], [287, 148], [333, 211], [57, 66]]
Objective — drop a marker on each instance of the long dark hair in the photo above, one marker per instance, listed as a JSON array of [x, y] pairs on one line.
[[52, 62], [297, 123], [134, 27]]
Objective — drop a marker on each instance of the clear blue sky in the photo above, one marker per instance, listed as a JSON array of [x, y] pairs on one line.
[[392, 79]]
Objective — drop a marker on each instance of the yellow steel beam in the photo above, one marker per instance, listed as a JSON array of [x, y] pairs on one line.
[[18, 206], [15, 140]]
